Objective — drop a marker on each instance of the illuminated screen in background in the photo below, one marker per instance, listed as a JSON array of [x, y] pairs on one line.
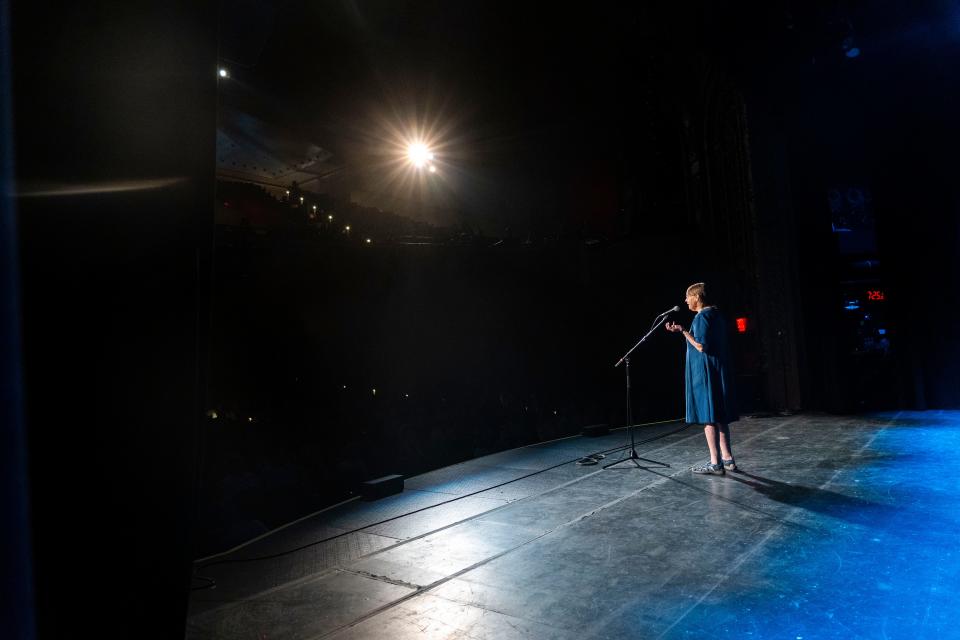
[[867, 322], [851, 218]]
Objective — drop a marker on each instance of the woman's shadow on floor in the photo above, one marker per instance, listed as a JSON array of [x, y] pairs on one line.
[[822, 501]]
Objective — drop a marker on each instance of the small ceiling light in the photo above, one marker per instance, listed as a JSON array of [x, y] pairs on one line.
[[224, 73]]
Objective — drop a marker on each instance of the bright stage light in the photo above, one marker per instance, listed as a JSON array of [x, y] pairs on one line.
[[433, 169], [224, 73], [330, 218], [419, 154]]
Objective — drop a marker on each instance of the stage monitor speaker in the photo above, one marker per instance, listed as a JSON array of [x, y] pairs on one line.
[[595, 430], [381, 487]]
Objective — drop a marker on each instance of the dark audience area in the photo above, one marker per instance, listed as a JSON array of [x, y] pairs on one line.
[[336, 362]]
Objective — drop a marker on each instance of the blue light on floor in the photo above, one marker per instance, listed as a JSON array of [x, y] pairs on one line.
[[872, 554]]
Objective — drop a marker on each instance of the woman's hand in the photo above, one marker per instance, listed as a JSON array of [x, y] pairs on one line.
[[673, 326]]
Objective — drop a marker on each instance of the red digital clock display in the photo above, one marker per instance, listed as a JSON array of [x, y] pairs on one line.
[[876, 294]]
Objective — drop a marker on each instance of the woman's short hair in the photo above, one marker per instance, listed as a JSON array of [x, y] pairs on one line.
[[700, 291]]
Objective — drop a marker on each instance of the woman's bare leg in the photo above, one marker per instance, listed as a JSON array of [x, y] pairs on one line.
[[725, 441], [710, 431]]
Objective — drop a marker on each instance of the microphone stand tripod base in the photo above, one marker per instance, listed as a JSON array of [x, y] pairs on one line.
[[633, 457]]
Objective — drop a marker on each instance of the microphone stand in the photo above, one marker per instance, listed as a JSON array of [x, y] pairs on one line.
[[633, 457]]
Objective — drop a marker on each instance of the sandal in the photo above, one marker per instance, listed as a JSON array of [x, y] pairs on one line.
[[708, 469], [729, 465]]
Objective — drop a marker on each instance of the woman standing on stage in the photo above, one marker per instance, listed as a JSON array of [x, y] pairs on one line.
[[711, 400]]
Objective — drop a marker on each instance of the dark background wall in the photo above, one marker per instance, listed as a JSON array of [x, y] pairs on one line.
[[114, 119], [881, 123], [17, 613]]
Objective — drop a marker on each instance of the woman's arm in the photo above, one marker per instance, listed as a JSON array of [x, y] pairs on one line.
[[696, 345]]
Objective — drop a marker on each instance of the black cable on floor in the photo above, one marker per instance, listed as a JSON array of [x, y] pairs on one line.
[[213, 583]]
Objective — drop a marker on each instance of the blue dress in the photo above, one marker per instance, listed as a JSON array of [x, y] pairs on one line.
[[711, 396]]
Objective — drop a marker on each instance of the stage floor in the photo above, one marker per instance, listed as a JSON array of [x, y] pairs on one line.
[[835, 527]]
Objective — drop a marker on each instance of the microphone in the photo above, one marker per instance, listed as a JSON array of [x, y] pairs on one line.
[[670, 310]]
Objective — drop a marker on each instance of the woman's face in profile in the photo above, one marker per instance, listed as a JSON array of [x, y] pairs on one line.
[[691, 301]]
